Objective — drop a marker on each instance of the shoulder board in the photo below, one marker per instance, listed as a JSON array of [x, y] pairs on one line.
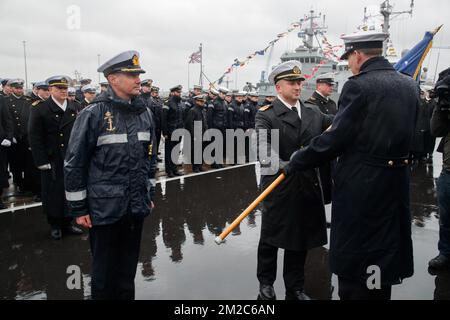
[[34, 104], [265, 108]]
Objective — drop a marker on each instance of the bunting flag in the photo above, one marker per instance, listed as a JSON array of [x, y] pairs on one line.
[[238, 63]]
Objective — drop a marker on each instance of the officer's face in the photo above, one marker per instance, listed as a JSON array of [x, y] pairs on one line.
[[145, 89], [289, 90], [200, 103], [354, 62], [71, 98], [240, 99], [177, 93], [7, 90], [228, 98], [125, 84], [197, 92], [325, 89], [59, 93], [43, 93], [89, 96], [254, 99], [17, 91]]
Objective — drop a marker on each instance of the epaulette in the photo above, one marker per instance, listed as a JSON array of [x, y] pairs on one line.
[[34, 104], [265, 108]]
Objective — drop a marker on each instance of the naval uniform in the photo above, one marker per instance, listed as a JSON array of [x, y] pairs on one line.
[[329, 107], [371, 136], [50, 128]]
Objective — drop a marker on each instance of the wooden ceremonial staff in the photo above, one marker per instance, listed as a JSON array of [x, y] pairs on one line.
[[220, 239]]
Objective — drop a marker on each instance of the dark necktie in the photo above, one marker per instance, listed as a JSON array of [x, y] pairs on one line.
[[294, 109]]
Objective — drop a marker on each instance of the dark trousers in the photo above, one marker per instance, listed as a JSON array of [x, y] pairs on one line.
[[17, 161], [293, 268], [169, 164], [353, 290], [25, 175], [4, 176], [115, 253], [443, 194], [158, 139], [54, 201]]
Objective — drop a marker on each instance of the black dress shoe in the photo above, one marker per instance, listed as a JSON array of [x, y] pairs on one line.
[[266, 293], [56, 234], [37, 198], [170, 175], [73, 230], [178, 174], [441, 262], [2, 206], [296, 295], [159, 159]]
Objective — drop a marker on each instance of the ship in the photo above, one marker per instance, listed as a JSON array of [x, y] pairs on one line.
[[317, 59]]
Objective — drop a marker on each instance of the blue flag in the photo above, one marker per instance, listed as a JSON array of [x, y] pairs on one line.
[[411, 63]]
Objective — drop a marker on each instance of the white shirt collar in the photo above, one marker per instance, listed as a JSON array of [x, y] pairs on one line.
[[297, 105], [62, 106], [322, 95]]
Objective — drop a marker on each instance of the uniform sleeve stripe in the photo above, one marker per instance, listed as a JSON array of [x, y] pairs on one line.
[[76, 196], [143, 136], [112, 139]]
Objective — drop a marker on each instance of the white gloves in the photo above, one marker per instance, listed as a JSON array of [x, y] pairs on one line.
[[45, 167], [6, 143], [14, 141]]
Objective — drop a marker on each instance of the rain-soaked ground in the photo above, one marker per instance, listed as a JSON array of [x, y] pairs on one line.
[[179, 259]]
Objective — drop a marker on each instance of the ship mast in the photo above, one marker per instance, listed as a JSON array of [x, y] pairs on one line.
[[313, 29], [386, 10]]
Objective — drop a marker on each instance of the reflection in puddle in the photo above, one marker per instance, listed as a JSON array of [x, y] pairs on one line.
[[179, 259]]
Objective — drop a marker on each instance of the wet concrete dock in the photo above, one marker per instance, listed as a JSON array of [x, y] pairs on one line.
[[179, 259]]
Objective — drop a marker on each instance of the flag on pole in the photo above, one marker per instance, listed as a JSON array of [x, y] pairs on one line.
[[196, 57], [411, 63]]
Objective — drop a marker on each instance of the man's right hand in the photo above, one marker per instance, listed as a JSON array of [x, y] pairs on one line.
[[6, 143], [85, 221]]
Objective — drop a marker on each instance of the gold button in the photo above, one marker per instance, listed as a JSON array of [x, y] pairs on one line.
[[62, 145], [73, 114], [406, 161], [391, 163]]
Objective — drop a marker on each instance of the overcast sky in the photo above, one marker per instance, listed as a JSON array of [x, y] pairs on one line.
[[167, 32]]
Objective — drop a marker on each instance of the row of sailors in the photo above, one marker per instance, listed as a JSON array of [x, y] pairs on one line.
[[224, 110]]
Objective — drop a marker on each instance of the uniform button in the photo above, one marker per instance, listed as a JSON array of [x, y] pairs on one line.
[[57, 116], [17, 118], [62, 145], [61, 135], [391, 163], [406, 161]]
